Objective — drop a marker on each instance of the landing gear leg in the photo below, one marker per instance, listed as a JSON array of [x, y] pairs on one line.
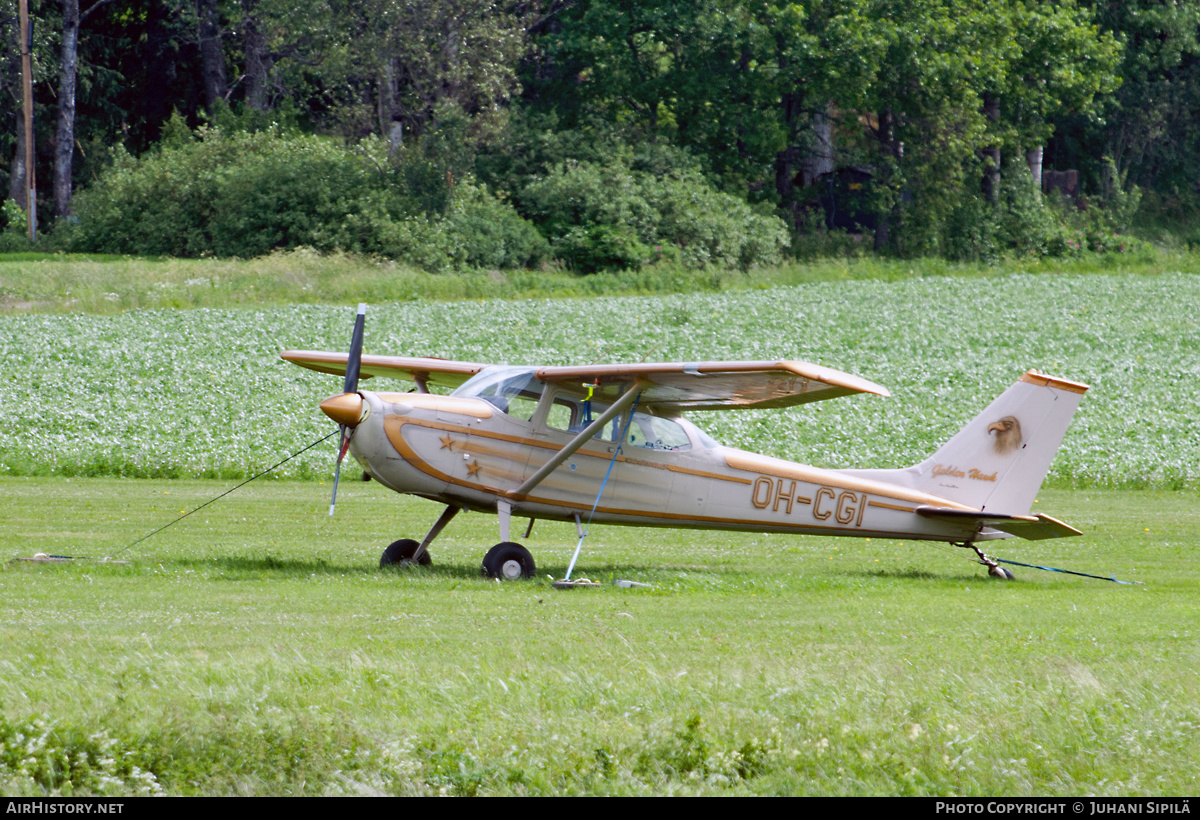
[[439, 525], [994, 569], [507, 561], [408, 550]]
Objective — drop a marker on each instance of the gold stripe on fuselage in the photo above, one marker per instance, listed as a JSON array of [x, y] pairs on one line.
[[754, 463], [394, 424]]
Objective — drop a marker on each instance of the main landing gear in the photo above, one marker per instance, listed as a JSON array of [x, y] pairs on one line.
[[402, 552], [406, 550], [507, 561]]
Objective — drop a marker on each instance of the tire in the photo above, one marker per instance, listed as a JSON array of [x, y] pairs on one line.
[[508, 562], [401, 552]]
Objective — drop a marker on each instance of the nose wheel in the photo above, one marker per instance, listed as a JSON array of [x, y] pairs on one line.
[[401, 552], [508, 561]]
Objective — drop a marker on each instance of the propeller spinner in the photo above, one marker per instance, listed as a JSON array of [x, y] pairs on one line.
[[347, 409]]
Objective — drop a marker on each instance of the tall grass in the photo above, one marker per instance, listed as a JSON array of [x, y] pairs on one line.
[[56, 283]]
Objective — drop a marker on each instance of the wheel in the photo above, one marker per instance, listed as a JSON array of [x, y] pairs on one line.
[[402, 551], [1001, 572], [508, 562]]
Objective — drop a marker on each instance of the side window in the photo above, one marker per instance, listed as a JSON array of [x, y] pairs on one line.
[[562, 415], [671, 436], [570, 416], [657, 433], [522, 406], [610, 431]]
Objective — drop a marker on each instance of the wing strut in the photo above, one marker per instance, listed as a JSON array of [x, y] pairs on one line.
[[603, 484], [627, 398]]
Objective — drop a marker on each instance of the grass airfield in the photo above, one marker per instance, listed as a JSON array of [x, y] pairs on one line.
[[256, 648]]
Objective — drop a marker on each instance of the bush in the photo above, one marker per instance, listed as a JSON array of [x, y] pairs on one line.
[[490, 233], [228, 195], [604, 203], [603, 216], [971, 232], [1025, 223], [246, 194], [602, 248]]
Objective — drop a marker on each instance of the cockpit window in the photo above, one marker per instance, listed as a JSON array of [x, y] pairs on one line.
[[512, 390], [657, 433], [572, 415], [517, 391]]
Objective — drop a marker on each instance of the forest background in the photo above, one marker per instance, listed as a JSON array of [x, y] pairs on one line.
[[605, 134]]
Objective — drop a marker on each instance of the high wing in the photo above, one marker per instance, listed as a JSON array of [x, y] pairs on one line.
[[667, 387], [422, 370], [711, 385]]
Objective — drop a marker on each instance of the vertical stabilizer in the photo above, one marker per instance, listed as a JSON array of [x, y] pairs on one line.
[[997, 462]]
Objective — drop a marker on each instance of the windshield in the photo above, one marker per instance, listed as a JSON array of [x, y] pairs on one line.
[[512, 390], [516, 391]]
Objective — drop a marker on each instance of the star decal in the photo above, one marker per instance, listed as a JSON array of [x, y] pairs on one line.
[[473, 469], [447, 443]]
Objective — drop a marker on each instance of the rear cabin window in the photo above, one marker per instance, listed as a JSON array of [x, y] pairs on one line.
[[657, 433]]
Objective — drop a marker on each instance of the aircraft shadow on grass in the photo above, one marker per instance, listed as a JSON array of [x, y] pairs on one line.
[[257, 567], [913, 574], [301, 568]]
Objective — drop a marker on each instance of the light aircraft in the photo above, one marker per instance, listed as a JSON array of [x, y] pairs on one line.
[[608, 442]]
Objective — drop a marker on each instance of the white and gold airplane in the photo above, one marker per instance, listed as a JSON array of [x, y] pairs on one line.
[[608, 443]]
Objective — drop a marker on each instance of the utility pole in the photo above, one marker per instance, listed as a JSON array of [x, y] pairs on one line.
[[27, 103]]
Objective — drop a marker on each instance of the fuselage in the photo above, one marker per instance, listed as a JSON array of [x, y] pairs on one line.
[[474, 449]]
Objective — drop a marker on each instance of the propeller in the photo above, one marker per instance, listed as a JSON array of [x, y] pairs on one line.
[[347, 408]]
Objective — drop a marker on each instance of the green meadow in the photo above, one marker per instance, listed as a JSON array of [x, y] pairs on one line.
[[256, 648]]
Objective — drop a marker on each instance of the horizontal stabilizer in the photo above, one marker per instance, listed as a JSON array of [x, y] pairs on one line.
[[1030, 527]]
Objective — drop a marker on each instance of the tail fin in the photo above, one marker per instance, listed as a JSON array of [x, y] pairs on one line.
[[998, 461]]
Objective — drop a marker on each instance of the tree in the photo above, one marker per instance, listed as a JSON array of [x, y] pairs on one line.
[[424, 54], [1054, 61], [68, 72], [1150, 127], [212, 54], [11, 104]]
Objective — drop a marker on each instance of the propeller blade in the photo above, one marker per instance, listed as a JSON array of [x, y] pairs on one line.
[[344, 439], [349, 387], [356, 345]]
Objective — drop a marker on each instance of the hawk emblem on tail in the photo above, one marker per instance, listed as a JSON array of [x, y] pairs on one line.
[[1008, 434]]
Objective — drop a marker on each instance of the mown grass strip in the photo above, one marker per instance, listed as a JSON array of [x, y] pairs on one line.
[[259, 650]]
